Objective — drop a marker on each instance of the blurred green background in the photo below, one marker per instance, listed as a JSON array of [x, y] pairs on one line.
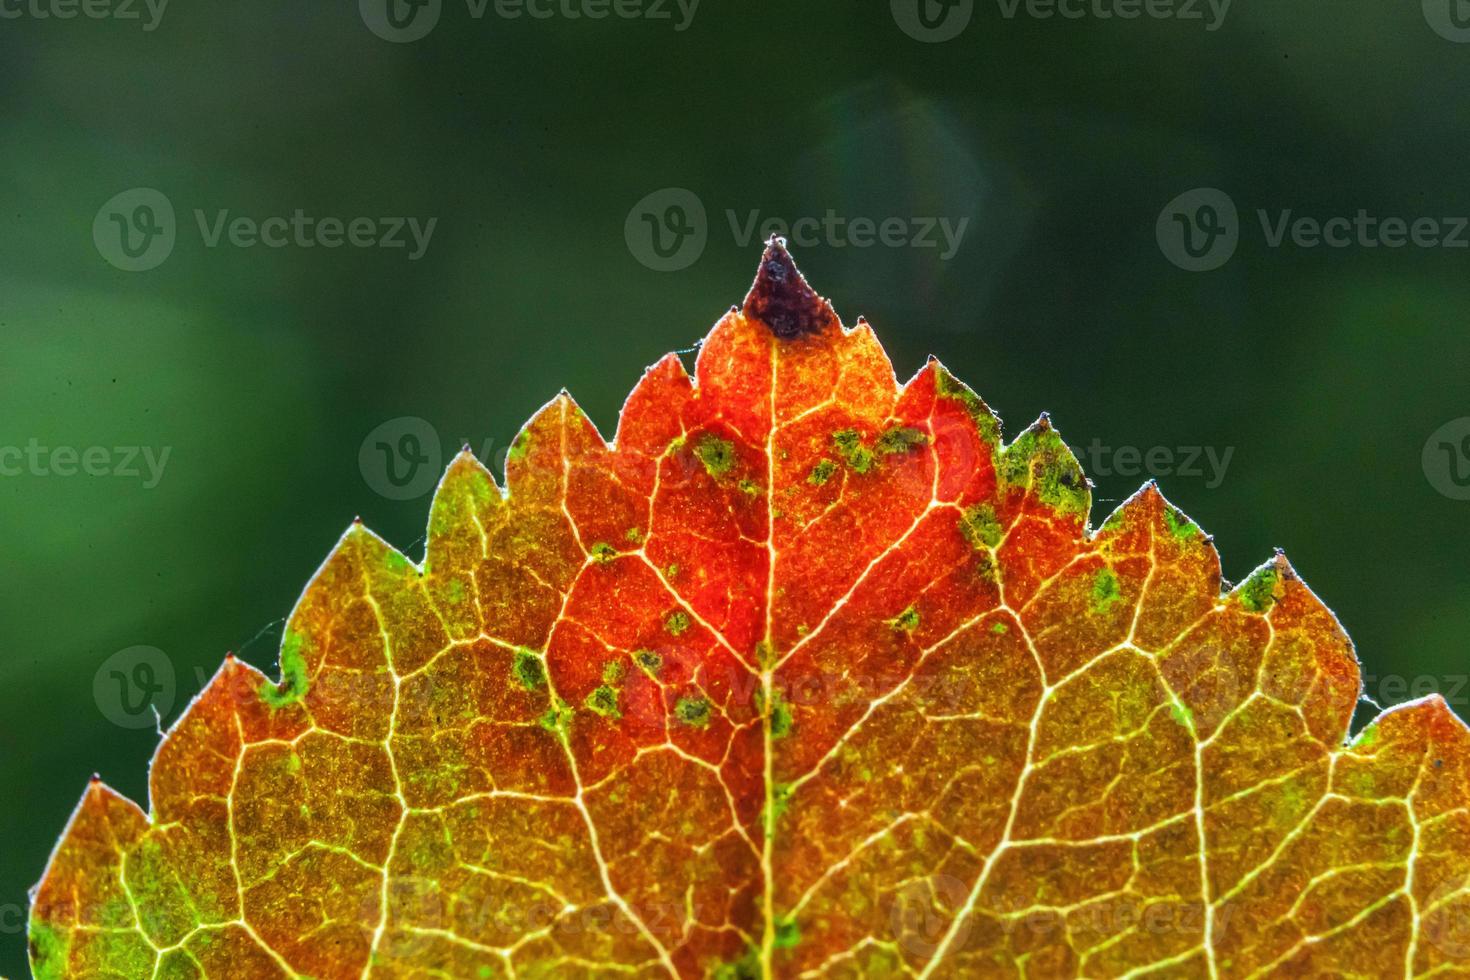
[[262, 370]]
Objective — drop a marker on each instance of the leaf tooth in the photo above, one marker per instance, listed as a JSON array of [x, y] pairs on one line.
[[652, 413], [781, 300], [103, 823]]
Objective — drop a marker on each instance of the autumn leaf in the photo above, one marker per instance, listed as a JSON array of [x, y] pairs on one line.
[[805, 674]]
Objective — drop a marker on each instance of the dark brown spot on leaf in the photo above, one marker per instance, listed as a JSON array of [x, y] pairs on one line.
[[781, 299]]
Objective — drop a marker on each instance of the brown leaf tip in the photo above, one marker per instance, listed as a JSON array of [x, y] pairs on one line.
[[781, 299]]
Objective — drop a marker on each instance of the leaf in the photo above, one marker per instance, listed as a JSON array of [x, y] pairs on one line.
[[805, 675]]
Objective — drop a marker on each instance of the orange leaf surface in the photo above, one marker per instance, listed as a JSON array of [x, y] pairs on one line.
[[806, 674]]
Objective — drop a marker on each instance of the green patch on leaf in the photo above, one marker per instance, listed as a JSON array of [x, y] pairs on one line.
[[901, 439], [613, 671], [1258, 593], [604, 701], [788, 933], [48, 952], [676, 622], [980, 527], [717, 455], [602, 552], [1041, 461], [1000, 628], [558, 718], [849, 446], [822, 472], [780, 799], [528, 669], [293, 674], [1105, 591], [781, 720], [906, 621], [693, 712], [1179, 525], [748, 967], [948, 386], [649, 661]]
